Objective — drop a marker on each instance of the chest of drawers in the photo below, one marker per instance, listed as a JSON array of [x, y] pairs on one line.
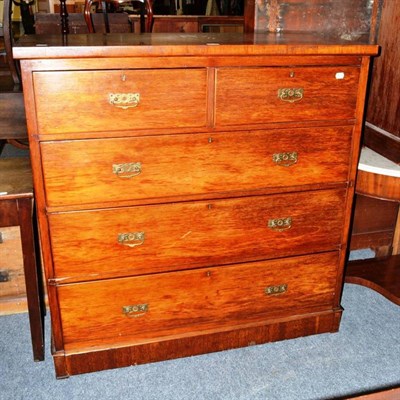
[[194, 192]]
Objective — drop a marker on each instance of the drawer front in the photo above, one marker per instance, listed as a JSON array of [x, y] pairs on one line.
[[92, 101], [190, 301], [90, 171], [148, 239], [285, 94]]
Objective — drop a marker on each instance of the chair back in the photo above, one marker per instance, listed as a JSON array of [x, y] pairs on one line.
[[8, 42], [115, 14]]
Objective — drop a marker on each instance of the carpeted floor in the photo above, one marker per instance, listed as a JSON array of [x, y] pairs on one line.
[[363, 355]]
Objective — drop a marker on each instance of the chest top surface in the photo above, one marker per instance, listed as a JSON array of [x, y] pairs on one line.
[[201, 44]]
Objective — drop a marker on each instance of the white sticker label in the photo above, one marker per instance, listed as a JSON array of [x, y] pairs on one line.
[[339, 75]]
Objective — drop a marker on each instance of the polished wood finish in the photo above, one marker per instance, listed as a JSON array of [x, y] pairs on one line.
[[206, 45], [176, 238], [222, 297], [16, 208], [174, 346], [379, 186], [208, 159], [212, 222], [325, 96], [380, 275], [64, 92]]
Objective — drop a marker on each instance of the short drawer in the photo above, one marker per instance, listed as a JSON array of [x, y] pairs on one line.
[[107, 170], [93, 101], [204, 299], [264, 95], [158, 238]]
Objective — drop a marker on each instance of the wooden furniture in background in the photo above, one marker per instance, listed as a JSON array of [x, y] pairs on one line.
[[7, 36], [12, 119], [16, 209], [144, 7], [376, 219], [382, 132], [379, 178], [195, 24], [342, 19], [202, 199], [50, 24]]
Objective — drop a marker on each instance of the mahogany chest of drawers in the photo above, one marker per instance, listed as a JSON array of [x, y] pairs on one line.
[[194, 192]]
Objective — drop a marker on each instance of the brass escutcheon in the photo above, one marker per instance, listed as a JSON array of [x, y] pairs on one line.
[[131, 239], [290, 94], [124, 100], [280, 224], [127, 170], [277, 289], [135, 310], [285, 159]]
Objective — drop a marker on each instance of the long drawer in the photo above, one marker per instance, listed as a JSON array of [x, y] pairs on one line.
[[155, 306], [156, 238], [106, 170], [285, 94], [92, 101]]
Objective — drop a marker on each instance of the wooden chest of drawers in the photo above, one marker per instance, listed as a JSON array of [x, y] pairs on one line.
[[194, 192]]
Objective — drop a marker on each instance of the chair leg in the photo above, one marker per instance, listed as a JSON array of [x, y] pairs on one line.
[[2, 144], [8, 41]]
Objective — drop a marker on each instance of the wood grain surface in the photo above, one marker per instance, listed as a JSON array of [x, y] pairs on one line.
[[81, 172]]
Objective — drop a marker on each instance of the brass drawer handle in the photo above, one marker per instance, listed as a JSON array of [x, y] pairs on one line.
[[290, 94], [131, 239], [127, 170], [285, 159], [124, 100], [135, 310], [277, 289], [280, 224]]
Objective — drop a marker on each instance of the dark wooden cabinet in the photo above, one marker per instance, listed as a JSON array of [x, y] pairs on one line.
[[343, 19]]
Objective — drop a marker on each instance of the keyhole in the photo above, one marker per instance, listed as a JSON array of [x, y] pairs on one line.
[[123, 77]]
